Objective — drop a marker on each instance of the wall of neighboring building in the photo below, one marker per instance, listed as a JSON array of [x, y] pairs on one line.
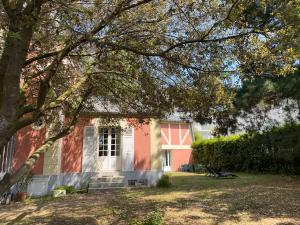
[[177, 137], [27, 141], [180, 157], [176, 134]]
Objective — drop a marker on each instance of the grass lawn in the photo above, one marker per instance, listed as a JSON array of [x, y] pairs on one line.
[[193, 199]]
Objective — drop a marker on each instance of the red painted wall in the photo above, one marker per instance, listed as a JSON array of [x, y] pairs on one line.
[[27, 141], [180, 157], [180, 134], [177, 133], [165, 130], [175, 140], [184, 129], [72, 148], [142, 147]]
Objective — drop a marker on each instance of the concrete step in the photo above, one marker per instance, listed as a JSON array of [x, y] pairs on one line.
[[99, 190], [109, 173], [108, 179], [105, 184]]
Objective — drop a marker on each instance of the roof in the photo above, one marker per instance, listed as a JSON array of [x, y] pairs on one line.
[[104, 108], [178, 117]]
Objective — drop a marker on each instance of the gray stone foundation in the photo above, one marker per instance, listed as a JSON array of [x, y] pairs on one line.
[[43, 185]]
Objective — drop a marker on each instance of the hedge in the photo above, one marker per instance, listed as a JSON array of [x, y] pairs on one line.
[[275, 151]]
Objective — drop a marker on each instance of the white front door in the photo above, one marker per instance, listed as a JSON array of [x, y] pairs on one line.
[[166, 156], [109, 149]]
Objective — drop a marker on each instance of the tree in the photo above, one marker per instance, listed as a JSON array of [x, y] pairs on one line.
[[256, 101], [145, 57]]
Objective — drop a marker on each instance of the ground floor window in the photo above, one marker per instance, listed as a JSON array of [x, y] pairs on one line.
[[6, 156], [166, 156], [109, 142]]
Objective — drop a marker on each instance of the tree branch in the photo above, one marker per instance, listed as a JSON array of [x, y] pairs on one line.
[[39, 57], [52, 68], [180, 44]]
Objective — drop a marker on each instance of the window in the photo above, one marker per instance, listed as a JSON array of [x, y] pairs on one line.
[[109, 142], [6, 156], [167, 158]]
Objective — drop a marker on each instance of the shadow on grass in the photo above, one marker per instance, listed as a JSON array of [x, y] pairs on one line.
[[261, 196], [193, 199], [20, 217], [65, 220], [59, 220]]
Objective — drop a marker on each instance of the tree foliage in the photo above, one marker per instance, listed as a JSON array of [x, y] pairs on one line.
[[269, 91], [261, 103]]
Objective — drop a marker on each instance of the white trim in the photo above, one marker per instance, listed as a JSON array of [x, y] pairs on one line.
[[188, 147], [167, 159], [111, 159], [6, 157], [165, 137], [127, 150], [88, 149], [170, 142], [185, 136]]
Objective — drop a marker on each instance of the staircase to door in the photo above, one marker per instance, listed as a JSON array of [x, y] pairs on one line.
[[106, 181]]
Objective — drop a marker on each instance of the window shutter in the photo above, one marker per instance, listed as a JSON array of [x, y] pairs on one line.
[[89, 148], [128, 149]]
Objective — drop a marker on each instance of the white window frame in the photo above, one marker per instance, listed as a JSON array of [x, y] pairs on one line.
[[117, 144], [6, 157], [167, 160]]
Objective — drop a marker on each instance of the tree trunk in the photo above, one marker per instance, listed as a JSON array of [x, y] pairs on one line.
[[14, 54], [12, 128]]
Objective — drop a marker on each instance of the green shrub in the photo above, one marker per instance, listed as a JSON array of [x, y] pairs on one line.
[[164, 182], [198, 136], [153, 218], [199, 168], [69, 189], [60, 188], [275, 151]]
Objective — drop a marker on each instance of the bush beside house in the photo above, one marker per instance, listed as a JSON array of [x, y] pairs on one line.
[[275, 151], [164, 182]]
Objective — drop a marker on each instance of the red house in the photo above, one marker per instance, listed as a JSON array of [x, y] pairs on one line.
[[103, 156]]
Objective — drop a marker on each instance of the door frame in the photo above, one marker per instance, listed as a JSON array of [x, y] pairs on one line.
[[118, 158]]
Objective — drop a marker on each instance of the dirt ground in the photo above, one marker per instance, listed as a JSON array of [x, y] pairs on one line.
[[192, 199]]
